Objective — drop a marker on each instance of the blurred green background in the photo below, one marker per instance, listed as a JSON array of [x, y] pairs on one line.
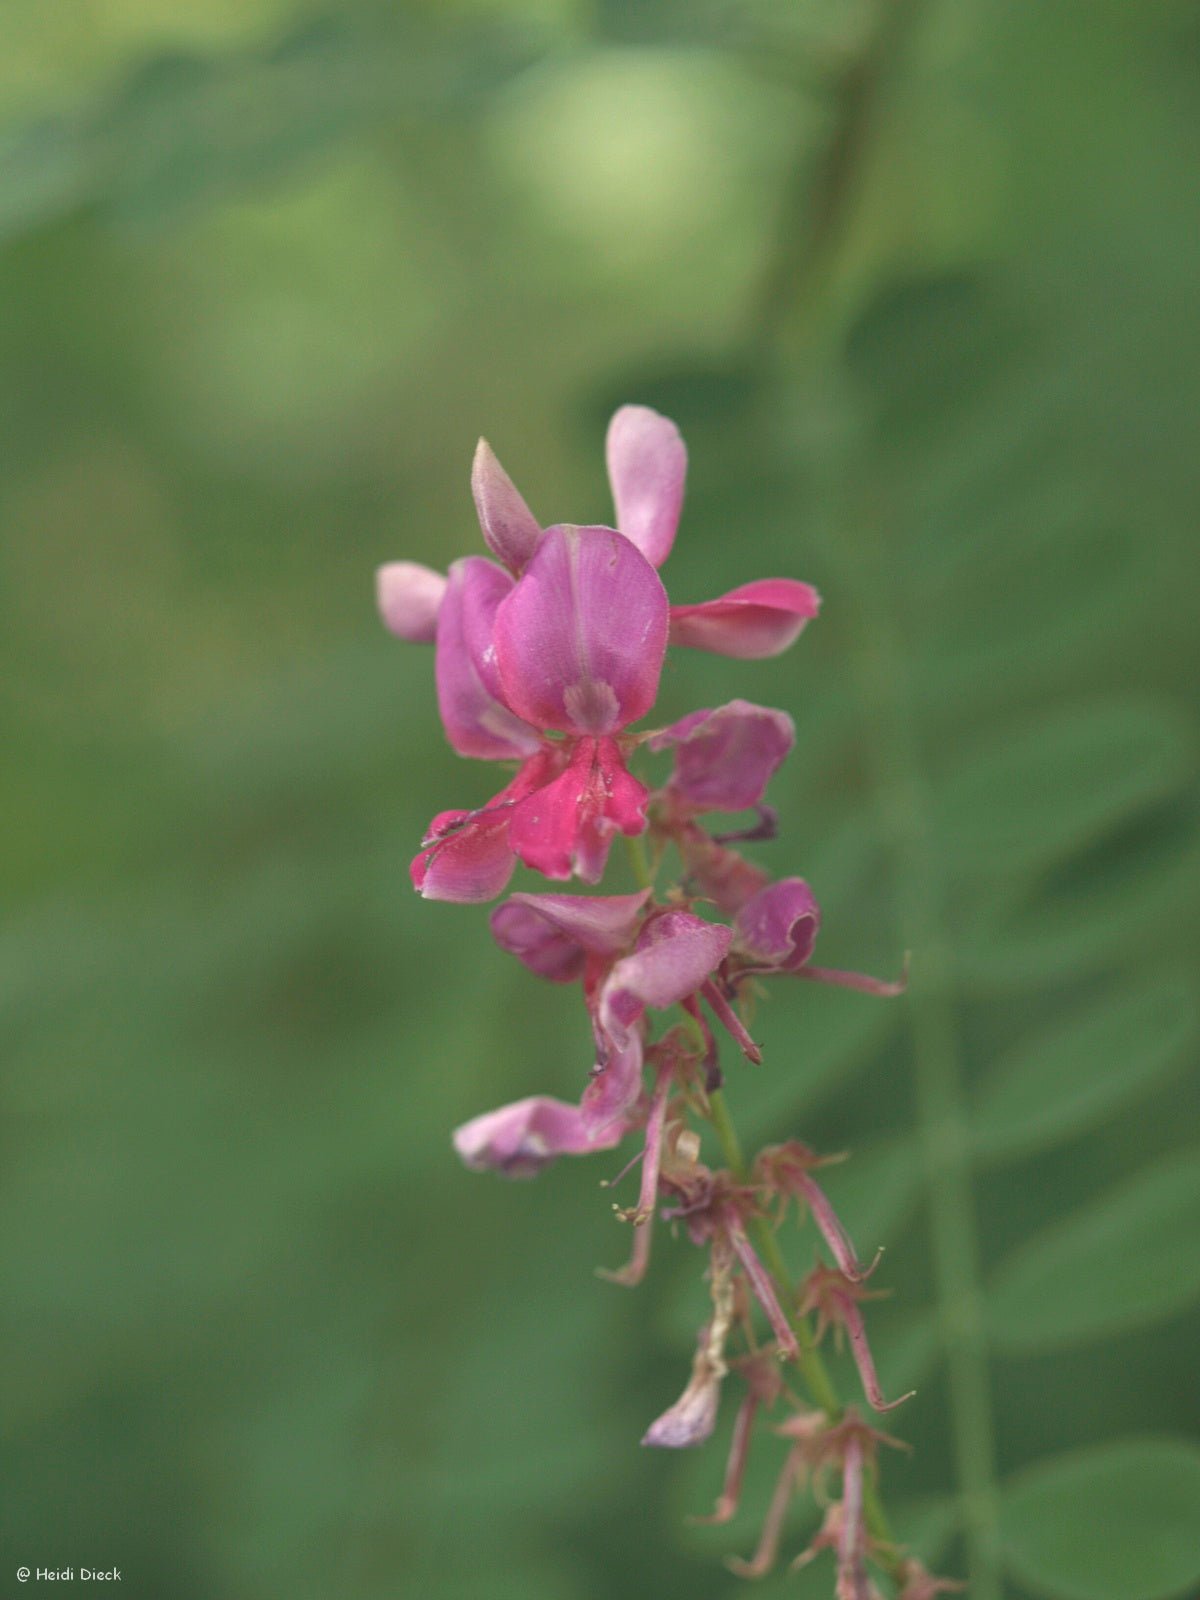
[[919, 284]]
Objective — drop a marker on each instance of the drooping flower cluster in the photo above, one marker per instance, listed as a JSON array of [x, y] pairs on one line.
[[546, 657]]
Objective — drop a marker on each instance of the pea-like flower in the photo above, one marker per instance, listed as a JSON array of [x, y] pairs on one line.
[[548, 658]]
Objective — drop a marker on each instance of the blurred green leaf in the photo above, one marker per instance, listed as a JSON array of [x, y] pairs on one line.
[[874, 1191], [1127, 1259], [1086, 1066], [1051, 788], [1114, 1522]]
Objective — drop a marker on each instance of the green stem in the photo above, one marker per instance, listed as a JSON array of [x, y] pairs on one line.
[[638, 861], [940, 1096], [812, 1368]]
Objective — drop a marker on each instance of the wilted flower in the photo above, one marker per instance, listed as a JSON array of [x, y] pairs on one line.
[[691, 1420], [522, 1138], [835, 1297]]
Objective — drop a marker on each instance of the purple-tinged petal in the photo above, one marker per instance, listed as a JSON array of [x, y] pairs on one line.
[[510, 529], [552, 934], [518, 1140], [691, 1420], [725, 758], [568, 826], [409, 597], [647, 467], [778, 927], [615, 1085], [476, 720], [580, 640], [758, 619], [675, 953]]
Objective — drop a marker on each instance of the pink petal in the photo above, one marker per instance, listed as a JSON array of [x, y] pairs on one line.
[[647, 466], [509, 527], [778, 927], [691, 1420], [569, 825], [520, 1139], [580, 640], [725, 758], [476, 720], [466, 855], [409, 597], [759, 619], [675, 953], [554, 933], [616, 1083], [468, 859]]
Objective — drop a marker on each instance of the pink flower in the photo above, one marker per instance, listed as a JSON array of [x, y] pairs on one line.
[[581, 937], [776, 931], [725, 758], [569, 640], [674, 954], [518, 1140]]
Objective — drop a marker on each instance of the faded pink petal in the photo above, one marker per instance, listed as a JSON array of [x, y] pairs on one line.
[[725, 758], [691, 1420], [553, 934], [568, 826], [674, 954], [409, 597], [509, 527], [778, 927], [758, 619], [580, 640], [518, 1140], [477, 721], [616, 1082], [647, 467]]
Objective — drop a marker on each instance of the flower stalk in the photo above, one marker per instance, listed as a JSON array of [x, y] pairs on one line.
[[546, 658]]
